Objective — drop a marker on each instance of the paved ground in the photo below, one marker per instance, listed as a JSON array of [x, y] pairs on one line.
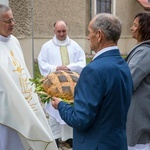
[[64, 146]]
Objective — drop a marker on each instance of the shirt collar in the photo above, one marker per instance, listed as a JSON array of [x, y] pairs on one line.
[[105, 50]]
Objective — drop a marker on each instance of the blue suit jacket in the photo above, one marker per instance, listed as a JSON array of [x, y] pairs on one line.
[[101, 101]]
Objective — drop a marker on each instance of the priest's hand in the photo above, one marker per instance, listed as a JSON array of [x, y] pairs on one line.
[[55, 102], [64, 68]]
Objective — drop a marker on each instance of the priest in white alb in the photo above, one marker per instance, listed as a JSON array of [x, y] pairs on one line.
[[60, 53]]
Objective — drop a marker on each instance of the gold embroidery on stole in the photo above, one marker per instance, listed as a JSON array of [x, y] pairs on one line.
[[23, 79]]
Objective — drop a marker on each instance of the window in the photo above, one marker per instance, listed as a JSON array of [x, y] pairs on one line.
[[103, 6]]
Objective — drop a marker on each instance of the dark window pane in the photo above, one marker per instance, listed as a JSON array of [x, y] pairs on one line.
[[103, 6]]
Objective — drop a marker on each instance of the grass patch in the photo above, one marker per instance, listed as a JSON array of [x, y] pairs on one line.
[[88, 60], [36, 70]]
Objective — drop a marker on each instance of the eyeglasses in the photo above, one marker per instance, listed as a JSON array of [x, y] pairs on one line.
[[8, 21]]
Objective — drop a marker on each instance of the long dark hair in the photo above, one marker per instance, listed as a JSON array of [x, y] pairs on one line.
[[144, 25]]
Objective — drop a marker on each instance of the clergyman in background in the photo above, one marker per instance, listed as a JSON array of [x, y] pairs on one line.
[[60, 53]]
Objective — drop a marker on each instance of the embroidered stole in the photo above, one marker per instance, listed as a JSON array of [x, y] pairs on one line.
[[64, 55]]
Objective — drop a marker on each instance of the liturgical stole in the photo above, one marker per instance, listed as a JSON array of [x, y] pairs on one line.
[[64, 55]]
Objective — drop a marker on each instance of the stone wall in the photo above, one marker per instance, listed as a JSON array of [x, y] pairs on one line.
[[46, 12], [23, 21], [35, 19]]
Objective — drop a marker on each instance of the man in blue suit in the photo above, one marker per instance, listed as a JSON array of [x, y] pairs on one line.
[[103, 92]]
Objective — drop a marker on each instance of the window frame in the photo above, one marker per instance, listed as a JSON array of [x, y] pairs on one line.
[[94, 7]]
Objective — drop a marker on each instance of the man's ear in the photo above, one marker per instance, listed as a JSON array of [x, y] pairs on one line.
[[99, 35]]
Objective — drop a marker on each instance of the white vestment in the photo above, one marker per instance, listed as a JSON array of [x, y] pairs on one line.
[[23, 125], [49, 58]]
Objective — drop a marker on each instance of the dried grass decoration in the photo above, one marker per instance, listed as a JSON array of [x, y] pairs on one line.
[[60, 84]]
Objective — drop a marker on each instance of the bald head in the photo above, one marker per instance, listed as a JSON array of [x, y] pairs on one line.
[[60, 30], [59, 22]]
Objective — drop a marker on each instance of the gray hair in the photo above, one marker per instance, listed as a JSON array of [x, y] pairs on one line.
[[4, 9], [109, 24]]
